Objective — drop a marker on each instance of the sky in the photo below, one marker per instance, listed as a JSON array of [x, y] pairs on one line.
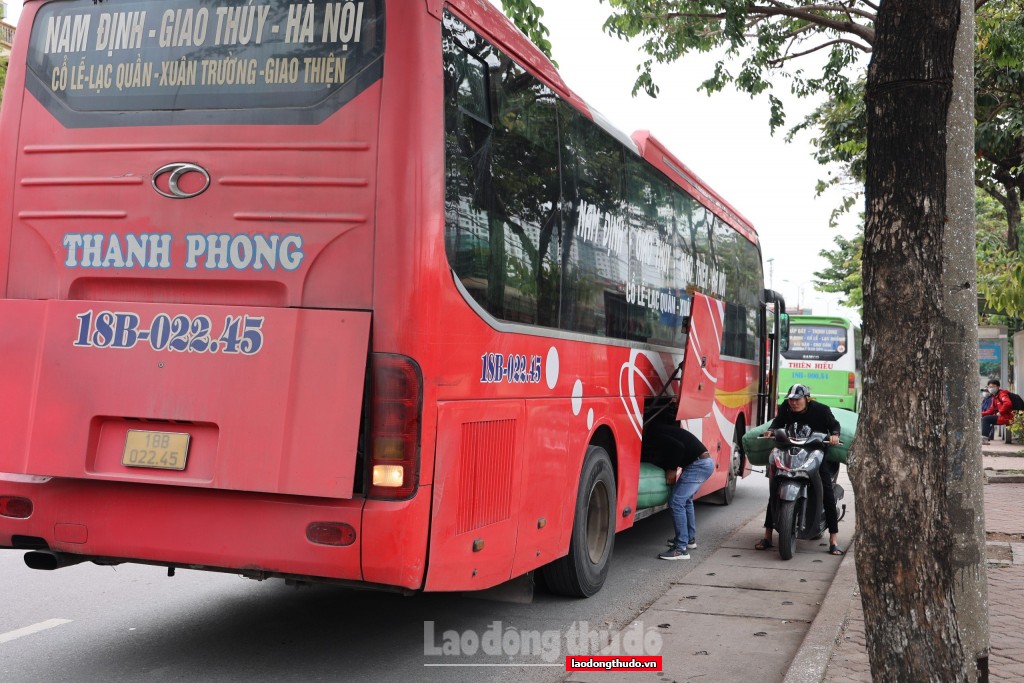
[[13, 10], [723, 138]]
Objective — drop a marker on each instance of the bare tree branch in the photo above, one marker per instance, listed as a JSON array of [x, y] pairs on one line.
[[993, 190], [794, 38], [808, 13], [845, 9], [850, 10], [1002, 106], [796, 34], [837, 41]]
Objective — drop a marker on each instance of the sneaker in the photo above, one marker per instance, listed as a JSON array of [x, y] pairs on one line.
[[985, 441], [674, 554], [689, 546]]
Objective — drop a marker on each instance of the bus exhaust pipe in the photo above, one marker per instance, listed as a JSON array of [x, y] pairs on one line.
[[49, 560]]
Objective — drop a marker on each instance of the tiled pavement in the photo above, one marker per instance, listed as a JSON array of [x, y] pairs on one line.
[[1004, 525], [820, 634]]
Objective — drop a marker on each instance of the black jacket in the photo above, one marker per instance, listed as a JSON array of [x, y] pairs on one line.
[[817, 416], [669, 446]]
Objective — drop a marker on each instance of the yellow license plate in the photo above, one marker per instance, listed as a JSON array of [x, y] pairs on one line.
[[162, 450]]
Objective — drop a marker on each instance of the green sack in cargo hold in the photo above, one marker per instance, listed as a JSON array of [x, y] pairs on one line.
[[653, 489], [757, 449]]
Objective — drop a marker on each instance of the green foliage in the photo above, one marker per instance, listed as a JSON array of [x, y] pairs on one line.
[[841, 136], [3, 64], [1017, 425], [843, 274], [758, 37], [840, 141], [999, 107], [1000, 270], [527, 16], [990, 217], [761, 38], [3, 76]]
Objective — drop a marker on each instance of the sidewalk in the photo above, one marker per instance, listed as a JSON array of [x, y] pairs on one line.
[[1004, 528], [739, 614], [742, 614]]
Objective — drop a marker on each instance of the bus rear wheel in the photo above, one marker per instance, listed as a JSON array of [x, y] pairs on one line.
[[583, 571], [726, 494]]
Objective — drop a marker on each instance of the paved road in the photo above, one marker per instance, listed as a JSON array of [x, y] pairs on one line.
[[131, 623]]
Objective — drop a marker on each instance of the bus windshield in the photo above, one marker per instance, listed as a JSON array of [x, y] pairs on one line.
[[816, 342], [183, 61], [824, 354]]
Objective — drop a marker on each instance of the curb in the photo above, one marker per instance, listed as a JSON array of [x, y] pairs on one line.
[[811, 660], [996, 478], [993, 453]]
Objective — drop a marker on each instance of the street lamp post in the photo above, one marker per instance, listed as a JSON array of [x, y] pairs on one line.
[[799, 293]]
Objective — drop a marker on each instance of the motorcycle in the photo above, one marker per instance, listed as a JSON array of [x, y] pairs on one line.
[[795, 494]]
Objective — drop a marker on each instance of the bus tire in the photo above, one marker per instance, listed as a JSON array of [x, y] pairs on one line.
[[582, 572], [726, 494]]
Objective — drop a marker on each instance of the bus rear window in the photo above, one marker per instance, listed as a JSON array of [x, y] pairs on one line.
[[193, 61], [816, 342]]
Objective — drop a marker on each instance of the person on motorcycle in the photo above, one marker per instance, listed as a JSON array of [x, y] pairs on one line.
[[800, 409]]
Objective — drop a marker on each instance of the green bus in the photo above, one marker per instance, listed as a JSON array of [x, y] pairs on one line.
[[825, 355]]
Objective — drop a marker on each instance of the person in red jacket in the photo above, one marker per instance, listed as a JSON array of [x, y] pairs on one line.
[[999, 411]]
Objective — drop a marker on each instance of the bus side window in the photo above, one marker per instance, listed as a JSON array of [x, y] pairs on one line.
[[468, 76], [503, 229]]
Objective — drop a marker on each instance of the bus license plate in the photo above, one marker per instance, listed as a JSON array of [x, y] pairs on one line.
[[161, 450]]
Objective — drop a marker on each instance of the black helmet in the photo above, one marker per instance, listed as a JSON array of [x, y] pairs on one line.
[[798, 391]]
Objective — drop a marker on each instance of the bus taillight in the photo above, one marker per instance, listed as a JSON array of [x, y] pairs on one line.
[[16, 507], [396, 405], [851, 383]]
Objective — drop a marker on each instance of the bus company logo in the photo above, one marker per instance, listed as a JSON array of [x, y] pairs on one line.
[[516, 644], [181, 180]]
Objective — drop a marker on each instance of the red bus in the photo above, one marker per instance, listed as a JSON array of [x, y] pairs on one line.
[[350, 291]]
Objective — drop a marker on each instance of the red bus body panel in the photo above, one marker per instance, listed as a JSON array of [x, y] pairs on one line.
[[73, 406], [275, 433], [702, 364], [245, 532]]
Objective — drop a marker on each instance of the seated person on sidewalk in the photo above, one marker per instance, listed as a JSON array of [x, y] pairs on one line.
[[670, 447], [800, 409], [998, 412]]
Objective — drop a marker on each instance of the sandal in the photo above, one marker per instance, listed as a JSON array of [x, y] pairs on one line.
[[835, 550], [763, 544]]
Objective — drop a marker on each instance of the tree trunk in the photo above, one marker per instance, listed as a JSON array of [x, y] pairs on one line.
[[916, 464], [1012, 218], [1011, 204]]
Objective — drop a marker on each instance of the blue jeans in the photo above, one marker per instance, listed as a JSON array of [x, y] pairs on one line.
[[988, 425], [680, 501]]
